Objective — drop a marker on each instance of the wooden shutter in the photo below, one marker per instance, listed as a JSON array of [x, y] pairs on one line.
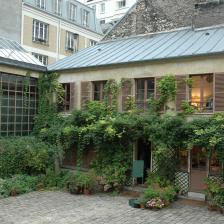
[[126, 92], [181, 91], [85, 93], [219, 92], [72, 96]]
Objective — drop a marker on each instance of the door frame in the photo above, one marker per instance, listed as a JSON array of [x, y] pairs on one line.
[[190, 167]]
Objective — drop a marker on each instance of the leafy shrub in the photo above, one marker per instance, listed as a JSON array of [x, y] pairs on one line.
[[18, 184], [168, 193], [164, 194], [79, 181], [151, 193], [25, 155], [215, 192]]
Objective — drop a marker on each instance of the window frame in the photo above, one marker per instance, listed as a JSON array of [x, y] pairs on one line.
[[37, 36], [101, 91], [66, 105], [85, 18], [201, 108], [102, 8], [121, 4], [17, 110], [42, 58], [92, 43], [72, 11], [145, 100], [58, 7], [71, 41], [41, 4]]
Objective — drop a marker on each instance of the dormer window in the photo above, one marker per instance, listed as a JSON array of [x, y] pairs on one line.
[[41, 4], [72, 12], [121, 4], [58, 7], [85, 18]]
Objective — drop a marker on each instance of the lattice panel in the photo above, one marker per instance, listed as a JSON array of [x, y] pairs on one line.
[[154, 163], [221, 179], [182, 181]]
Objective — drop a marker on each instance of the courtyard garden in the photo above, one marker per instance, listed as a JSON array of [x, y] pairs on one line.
[[33, 163]]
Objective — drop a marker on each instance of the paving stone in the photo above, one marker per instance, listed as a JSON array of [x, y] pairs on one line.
[[64, 208]]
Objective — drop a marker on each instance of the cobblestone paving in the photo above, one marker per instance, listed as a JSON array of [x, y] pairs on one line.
[[63, 208]]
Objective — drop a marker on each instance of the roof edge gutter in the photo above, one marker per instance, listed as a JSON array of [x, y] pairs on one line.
[[20, 64]]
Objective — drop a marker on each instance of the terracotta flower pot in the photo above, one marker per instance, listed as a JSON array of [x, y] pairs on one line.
[[142, 205]]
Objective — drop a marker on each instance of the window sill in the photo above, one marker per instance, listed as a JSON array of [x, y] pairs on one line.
[[41, 43]]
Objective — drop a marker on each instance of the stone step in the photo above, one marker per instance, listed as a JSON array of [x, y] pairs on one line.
[[196, 196]]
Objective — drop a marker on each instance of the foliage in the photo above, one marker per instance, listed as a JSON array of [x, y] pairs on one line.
[[215, 192], [189, 81], [18, 184], [151, 193], [187, 108], [25, 155], [79, 181], [167, 88], [50, 93], [166, 194]]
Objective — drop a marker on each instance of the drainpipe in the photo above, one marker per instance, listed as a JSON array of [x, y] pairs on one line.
[[59, 39]]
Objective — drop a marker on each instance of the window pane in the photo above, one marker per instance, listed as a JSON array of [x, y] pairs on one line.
[[13, 112]]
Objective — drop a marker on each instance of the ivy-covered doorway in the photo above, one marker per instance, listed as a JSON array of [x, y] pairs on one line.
[[144, 153], [198, 169]]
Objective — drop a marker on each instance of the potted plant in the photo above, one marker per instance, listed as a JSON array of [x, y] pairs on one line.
[[142, 202]]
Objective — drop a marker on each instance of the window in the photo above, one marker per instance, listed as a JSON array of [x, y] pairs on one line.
[[41, 4], [102, 21], [92, 43], [85, 18], [94, 7], [58, 7], [98, 90], [42, 58], [72, 12], [144, 91], [201, 93], [18, 104], [121, 4], [65, 105], [102, 8], [71, 41], [40, 31]]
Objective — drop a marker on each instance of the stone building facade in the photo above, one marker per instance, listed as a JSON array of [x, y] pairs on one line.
[[149, 16]]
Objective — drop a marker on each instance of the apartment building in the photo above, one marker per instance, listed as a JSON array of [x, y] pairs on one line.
[[54, 29], [10, 13], [109, 11]]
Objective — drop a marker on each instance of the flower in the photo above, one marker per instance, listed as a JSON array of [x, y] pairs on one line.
[[155, 203]]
